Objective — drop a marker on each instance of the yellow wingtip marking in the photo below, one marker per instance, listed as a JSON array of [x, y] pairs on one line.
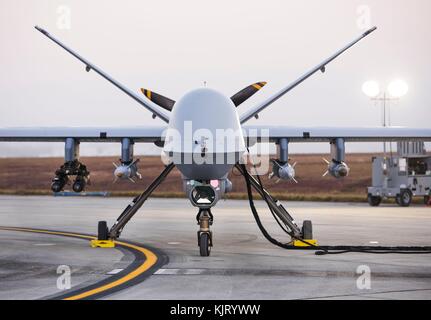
[[149, 94], [146, 93]]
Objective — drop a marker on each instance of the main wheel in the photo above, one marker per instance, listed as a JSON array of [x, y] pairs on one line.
[[78, 185], [405, 198], [374, 201], [204, 245], [426, 200], [102, 231], [397, 200], [307, 230]]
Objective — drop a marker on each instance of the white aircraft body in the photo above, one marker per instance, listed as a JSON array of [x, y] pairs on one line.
[[204, 137]]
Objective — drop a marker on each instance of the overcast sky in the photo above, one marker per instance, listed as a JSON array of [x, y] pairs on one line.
[[172, 47]]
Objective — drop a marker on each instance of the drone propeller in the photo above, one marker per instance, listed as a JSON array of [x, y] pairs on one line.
[[237, 98], [158, 99], [246, 93]]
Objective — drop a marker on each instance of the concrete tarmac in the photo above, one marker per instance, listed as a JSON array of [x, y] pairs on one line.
[[242, 265]]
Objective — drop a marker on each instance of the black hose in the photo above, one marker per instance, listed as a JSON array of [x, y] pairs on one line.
[[321, 250]]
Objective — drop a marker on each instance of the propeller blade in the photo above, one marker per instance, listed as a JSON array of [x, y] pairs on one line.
[[246, 93], [115, 180], [115, 165], [158, 99], [325, 174], [326, 161], [294, 165]]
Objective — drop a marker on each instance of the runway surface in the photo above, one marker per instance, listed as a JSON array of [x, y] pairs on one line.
[[242, 265]]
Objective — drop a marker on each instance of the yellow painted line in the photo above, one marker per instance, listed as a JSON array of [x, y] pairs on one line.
[[150, 260]]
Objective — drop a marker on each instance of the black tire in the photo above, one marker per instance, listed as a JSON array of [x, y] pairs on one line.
[[102, 231], [426, 200], [307, 230], [397, 199], [374, 201], [204, 245], [78, 185], [56, 187], [405, 198]]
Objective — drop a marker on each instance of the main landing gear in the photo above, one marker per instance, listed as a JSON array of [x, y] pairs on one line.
[[300, 236], [105, 237]]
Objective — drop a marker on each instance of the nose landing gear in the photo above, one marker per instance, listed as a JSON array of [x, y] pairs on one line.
[[205, 236]]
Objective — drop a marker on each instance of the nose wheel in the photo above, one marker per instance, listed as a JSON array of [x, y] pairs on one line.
[[205, 237], [204, 245]]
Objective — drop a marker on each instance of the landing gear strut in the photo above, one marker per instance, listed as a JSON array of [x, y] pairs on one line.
[[115, 232], [300, 237], [205, 236]]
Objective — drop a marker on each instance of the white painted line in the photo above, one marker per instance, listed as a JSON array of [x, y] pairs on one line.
[[174, 243], [194, 271], [167, 271], [115, 271], [179, 271], [374, 242], [44, 244]]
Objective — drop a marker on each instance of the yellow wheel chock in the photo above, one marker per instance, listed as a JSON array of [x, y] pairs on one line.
[[299, 243], [102, 243]]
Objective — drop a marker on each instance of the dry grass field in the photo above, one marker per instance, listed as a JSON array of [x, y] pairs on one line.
[[33, 176]]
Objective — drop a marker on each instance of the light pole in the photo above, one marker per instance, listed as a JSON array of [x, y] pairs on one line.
[[397, 89]]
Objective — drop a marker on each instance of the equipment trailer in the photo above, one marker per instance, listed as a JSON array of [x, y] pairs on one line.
[[401, 177]]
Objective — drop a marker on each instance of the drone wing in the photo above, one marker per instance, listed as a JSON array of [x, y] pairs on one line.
[[322, 67]]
